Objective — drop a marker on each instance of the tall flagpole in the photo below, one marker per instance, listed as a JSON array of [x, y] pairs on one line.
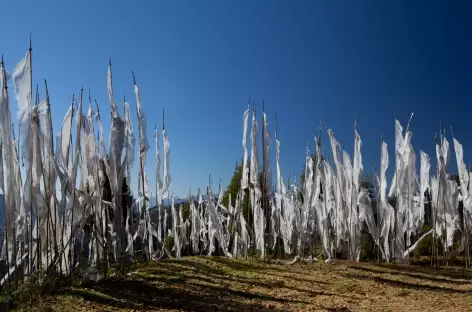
[[5, 232], [165, 222], [354, 200], [74, 174], [2, 64], [30, 248], [30, 51], [264, 182], [158, 204], [279, 182], [38, 240], [379, 204], [63, 199], [396, 201], [142, 179], [100, 209], [253, 232]]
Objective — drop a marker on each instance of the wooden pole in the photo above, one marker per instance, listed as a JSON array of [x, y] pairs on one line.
[[444, 249], [409, 198], [103, 211], [72, 241], [467, 258], [29, 107], [379, 204], [264, 187], [280, 238], [30, 249], [38, 239], [51, 142], [5, 232], [5, 89], [254, 201], [63, 197], [99, 212], [142, 177], [435, 247], [158, 197], [396, 204]]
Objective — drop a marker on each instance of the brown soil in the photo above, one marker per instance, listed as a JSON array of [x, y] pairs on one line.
[[214, 284]]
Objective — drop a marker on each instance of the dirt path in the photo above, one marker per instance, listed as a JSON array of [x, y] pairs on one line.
[[219, 284]]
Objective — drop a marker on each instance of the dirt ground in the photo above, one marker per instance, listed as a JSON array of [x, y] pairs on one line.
[[221, 284]]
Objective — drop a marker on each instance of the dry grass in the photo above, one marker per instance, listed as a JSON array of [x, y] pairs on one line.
[[214, 284]]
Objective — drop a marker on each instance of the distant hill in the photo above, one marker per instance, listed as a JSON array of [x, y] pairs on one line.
[[177, 200]]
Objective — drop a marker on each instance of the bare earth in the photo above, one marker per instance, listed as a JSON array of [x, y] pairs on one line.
[[214, 284]]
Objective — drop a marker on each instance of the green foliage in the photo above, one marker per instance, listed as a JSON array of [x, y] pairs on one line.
[[185, 210], [169, 242], [369, 251], [424, 248], [254, 253], [233, 189], [234, 186], [368, 183]]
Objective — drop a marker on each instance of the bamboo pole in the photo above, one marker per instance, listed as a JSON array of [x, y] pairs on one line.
[[377, 206], [158, 197], [280, 194], [142, 177], [30, 147], [264, 189], [38, 239], [5, 90], [49, 186], [63, 196], [395, 239], [467, 230], [444, 249], [5, 232], [436, 211], [409, 198], [100, 210], [253, 237], [30, 245], [354, 200], [122, 251], [93, 228], [74, 181]]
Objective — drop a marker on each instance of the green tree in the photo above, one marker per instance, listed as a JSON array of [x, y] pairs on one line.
[[234, 186], [185, 210], [368, 183], [233, 189]]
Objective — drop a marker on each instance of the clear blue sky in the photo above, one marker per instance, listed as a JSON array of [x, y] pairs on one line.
[[309, 60]]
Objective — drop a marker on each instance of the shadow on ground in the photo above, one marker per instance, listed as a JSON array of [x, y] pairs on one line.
[[418, 273], [453, 273], [166, 285], [407, 285]]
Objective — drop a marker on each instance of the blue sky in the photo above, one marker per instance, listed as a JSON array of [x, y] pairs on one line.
[[309, 60]]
